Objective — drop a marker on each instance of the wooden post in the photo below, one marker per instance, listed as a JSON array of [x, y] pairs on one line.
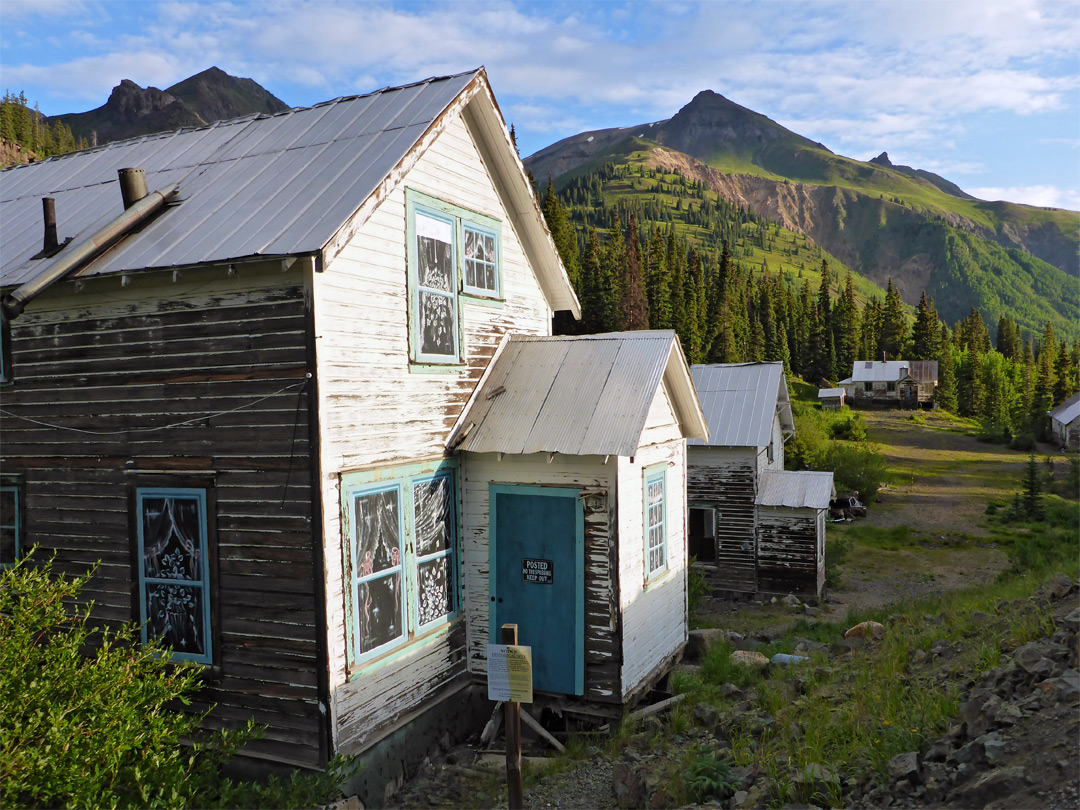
[[515, 788]]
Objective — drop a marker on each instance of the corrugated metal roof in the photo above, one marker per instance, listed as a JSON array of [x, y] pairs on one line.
[[256, 186], [796, 489], [1068, 410], [586, 395], [740, 400], [830, 392], [879, 370], [924, 370]]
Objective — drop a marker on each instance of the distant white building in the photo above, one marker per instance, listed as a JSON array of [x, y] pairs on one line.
[[908, 383]]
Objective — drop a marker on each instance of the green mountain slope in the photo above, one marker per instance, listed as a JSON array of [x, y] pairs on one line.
[[882, 221]]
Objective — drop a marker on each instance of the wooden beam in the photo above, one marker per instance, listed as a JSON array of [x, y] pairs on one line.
[[534, 724]]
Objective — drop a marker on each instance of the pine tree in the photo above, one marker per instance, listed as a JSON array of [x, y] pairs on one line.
[[924, 335], [590, 292], [1031, 499], [658, 286], [633, 305], [846, 318], [1008, 339], [945, 393], [893, 325]]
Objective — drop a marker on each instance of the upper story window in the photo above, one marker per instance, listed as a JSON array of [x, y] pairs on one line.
[[655, 519], [868, 386], [174, 570], [452, 252]]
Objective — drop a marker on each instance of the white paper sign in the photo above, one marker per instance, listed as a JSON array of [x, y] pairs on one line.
[[509, 673]]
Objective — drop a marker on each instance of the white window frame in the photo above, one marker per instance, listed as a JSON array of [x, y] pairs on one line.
[[402, 481], [655, 523]]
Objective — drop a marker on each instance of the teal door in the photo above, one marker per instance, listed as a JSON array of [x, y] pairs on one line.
[[537, 549]]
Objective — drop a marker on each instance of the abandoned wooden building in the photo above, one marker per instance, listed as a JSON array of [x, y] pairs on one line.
[[575, 447], [236, 392], [736, 483], [892, 383], [831, 399], [1065, 423]]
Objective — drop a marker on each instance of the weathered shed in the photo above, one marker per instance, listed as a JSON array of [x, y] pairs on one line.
[[749, 415], [1065, 423], [753, 527], [574, 461], [791, 508], [831, 399]]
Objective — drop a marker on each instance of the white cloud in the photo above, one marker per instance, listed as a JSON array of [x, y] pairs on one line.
[[1045, 196]]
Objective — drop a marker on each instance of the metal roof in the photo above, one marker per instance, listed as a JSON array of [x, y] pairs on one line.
[[796, 489], [740, 401], [256, 186], [879, 370], [830, 392], [1068, 410], [587, 395]]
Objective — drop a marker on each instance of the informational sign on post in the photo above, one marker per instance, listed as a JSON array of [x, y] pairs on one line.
[[510, 673]]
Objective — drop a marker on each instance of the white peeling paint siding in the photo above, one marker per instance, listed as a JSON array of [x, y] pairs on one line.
[[478, 471], [777, 437], [654, 622], [374, 411]]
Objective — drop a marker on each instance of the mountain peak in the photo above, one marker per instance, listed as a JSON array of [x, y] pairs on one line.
[[882, 160]]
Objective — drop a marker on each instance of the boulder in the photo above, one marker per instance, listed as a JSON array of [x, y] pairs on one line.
[[1058, 586], [641, 784], [791, 601], [867, 630], [905, 767], [989, 786]]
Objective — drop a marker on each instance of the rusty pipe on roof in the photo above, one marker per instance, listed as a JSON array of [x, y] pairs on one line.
[[132, 186], [48, 210], [77, 254]]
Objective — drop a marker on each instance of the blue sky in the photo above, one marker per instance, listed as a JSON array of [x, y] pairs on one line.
[[986, 93]]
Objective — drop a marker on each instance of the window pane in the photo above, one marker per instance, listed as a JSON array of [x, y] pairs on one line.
[[480, 260], [434, 253], [436, 324], [433, 511], [8, 547], [174, 614], [436, 586], [172, 537], [378, 544], [7, 507], [379, 611]]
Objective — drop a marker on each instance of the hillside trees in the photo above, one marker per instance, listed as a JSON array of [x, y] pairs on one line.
[[29, 129]]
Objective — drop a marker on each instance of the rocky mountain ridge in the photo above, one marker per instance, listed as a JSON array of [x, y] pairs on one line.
[[131, 110]]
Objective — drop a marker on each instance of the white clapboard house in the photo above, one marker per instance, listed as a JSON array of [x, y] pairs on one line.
[[294, 390], [754, 527]]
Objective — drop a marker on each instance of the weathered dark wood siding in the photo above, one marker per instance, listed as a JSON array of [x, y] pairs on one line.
[[108, 374], [730, 487], [787, 550]]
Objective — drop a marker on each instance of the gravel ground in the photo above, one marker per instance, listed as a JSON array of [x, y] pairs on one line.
[[587, 785]]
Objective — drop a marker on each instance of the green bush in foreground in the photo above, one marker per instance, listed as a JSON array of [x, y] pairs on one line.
[[91, 718]]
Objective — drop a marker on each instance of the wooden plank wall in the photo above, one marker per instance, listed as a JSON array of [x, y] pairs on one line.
[[107, 369], [603, 654], [376, 411], [726, 480], [788, 550]]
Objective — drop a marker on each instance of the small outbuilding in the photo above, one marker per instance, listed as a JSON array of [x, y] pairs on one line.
[[791, 509], [573, 459], [831, 399], [1065, 423], [904, 383], [753, 527]]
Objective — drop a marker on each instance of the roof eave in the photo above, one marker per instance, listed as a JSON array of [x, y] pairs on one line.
[[684, 395]]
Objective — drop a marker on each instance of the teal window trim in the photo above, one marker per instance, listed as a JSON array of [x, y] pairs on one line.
[[579, 552], [655, 522], [464, 226], [357, 577], [201, 584], [403, 480], [12, 523]]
